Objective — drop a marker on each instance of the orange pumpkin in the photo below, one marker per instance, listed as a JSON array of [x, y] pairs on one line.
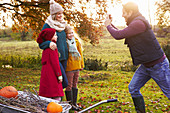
[[8, 92], [54, 108]]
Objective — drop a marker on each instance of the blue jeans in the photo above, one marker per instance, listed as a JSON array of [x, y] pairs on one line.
[[160, 73]]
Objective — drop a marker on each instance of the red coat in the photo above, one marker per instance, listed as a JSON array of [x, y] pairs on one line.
[[49, 85]]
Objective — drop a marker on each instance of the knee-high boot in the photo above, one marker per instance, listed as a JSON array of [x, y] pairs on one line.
[[75, 92], [69, 97], [139, 104]]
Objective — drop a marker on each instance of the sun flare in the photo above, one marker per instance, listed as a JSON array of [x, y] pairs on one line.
[[146, 7]]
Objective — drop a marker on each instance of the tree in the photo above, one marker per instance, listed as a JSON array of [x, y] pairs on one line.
[[149, 12], [163, 14], [32, 14]]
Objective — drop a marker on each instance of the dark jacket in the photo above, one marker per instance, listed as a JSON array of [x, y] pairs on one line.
[[144, 47]]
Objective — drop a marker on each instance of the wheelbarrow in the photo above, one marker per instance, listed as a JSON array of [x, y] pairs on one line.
[[101, 102], [12, 109], [66, 106]]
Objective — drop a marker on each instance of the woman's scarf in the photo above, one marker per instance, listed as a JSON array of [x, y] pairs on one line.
[[58, 26], [73, 48]]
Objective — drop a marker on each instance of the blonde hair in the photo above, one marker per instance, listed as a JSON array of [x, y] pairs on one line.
[[67, 28], [53, 17]]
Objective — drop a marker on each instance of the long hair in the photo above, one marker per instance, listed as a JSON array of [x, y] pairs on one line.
[[68, 27]]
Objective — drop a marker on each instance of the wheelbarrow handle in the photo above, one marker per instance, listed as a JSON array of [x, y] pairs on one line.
[[112, 100], [101, 102]]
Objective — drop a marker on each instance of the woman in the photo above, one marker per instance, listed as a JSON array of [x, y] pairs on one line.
[[56, 21]]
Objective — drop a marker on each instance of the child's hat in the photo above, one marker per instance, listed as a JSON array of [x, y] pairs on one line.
[[46, 34], [55, 7]]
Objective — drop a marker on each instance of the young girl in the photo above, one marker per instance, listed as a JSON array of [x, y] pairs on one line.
[[75, 63], [51, 76]]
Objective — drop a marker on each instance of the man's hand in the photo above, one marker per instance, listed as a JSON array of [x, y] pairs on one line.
[[108, 20], [53, 46]]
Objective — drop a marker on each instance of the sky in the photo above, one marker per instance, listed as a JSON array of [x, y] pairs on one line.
[[116, 11]]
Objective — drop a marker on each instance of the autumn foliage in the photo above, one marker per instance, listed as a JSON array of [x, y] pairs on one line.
[[163, 13], [32, 14], [86, 18]]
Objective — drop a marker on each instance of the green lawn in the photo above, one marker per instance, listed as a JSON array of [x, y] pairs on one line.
[[112, 51], [94, 86]]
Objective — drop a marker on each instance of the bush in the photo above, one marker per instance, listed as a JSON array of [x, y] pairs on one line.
[[128, 66], [166, 48], [95, 64], [20, 61]]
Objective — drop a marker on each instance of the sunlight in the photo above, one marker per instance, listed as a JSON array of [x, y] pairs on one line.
[[146, 7]]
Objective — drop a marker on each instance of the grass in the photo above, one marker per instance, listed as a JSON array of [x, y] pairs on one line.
[[19, 48], [108, 50], [111, 51], [94, 86]]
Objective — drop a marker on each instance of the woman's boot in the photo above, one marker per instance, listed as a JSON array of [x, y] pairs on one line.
[[139, 104]]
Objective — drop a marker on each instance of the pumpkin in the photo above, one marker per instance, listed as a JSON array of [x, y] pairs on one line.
[[8, 92], [53, 107]]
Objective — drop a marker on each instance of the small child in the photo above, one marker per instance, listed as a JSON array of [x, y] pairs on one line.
[[75, 64], [51, 76]]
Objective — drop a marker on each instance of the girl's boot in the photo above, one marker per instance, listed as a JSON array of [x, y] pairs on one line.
[[69, 98], [75, 92]]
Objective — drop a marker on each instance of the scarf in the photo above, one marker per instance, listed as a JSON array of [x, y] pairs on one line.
[[73, 48], [133, 16], [58, 26]]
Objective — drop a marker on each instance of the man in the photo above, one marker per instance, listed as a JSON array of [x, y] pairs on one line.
[[145, 50]]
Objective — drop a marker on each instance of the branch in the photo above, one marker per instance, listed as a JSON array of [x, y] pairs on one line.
[[9, 5], [34, 4], [27, 4], [12, 10]]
